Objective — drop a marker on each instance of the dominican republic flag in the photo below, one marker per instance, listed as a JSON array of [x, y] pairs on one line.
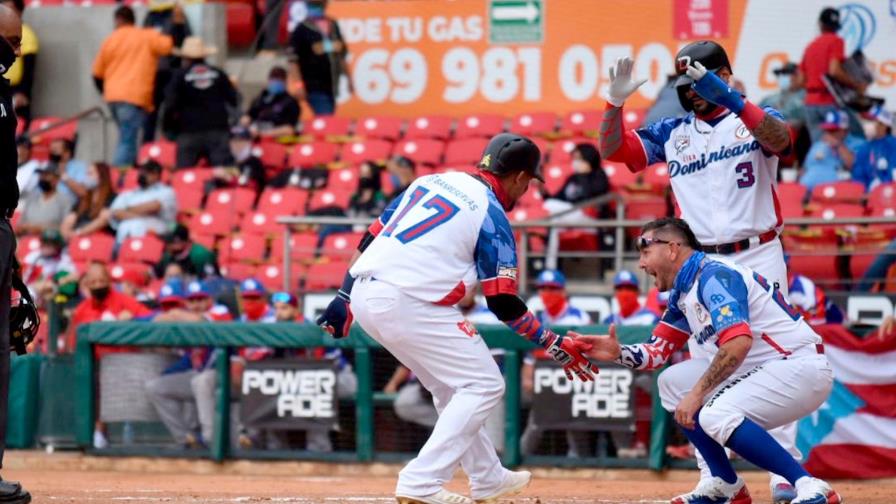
[[853, 434]]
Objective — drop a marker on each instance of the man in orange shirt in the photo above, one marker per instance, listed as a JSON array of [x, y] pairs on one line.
[[124, 71]]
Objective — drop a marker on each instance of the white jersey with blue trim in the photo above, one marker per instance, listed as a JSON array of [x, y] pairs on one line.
[[728, 300], [445, 232], [723, 179]]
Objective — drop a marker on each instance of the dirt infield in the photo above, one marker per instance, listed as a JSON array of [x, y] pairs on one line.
[[70, 478]]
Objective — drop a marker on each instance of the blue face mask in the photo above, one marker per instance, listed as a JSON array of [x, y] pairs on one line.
[[784, 82], [276, 86], [315, 11]]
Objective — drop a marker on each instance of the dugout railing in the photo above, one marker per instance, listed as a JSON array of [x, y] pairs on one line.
[[229, 336]]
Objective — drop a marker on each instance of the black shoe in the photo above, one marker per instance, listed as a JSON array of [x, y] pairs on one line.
[[11, 492]]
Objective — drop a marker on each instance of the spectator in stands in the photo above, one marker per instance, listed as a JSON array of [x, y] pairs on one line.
[[47, 268], [92, 214], [149, 208], [630, 311], [831, 157], [249, 170], [875, 160], [168, 18], [317, 59], [124, 71], [197, 107], [21, 73], [877, 273], [47, 207], [255, 307], [824, 56], [26, 174], [403, 172], [184, 384], [368, 200], [790, 98], [193, 258], [171, 295], [72, 172], [274, 112], [666, 104]]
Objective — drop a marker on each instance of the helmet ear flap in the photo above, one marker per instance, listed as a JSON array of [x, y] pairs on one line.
[[683, 99]]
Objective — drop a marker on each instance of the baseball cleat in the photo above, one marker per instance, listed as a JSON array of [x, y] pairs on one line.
[[783, 493], [815, 491], [514, 483], [441, 497], [716, 491]]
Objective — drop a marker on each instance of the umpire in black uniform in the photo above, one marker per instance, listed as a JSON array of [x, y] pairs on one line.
[[10, 47]]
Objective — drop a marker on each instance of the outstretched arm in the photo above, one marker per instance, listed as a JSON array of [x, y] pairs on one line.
[[653, 354]]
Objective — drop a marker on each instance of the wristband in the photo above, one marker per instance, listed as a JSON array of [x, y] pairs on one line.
[[751, 115]]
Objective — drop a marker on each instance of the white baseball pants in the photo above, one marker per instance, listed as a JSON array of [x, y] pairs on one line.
[[456, 368]]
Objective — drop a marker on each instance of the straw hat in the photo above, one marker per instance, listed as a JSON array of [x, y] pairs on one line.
[[194, 48]]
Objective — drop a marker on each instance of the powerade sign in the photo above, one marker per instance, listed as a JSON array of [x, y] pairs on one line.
[[677, 168], [289, 394], [607, 403]]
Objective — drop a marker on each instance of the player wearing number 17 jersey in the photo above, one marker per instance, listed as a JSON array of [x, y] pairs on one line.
[[442, 235]]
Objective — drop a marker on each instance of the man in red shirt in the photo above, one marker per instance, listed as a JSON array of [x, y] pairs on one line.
[[824, 56]]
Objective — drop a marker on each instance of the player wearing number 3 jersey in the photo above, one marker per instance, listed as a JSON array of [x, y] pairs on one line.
[[442, 235], [722, 159]]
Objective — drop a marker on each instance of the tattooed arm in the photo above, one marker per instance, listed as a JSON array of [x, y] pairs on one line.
[[771, 132], [730, 356]]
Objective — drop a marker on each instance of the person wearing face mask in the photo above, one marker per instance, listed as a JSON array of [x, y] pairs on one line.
[[875, 161], [318, 59], [832, 156], [368, 200], [274, 112], [91, 214], [194, 259], [248, 170], [630, 311], [151, 207], [789, 99], [72, 172], [49, 267], [47, 207]]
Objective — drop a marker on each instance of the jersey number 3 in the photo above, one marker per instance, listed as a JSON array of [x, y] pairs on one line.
[[747, 178], [445, 210]]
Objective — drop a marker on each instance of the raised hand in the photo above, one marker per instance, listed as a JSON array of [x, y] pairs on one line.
[[604, 347], [570, 353], [621, 84]]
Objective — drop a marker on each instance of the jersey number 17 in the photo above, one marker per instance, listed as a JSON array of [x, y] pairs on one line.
[[444, 208]]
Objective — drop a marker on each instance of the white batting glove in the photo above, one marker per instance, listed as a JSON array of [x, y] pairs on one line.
[[621, 84], [696, 71]]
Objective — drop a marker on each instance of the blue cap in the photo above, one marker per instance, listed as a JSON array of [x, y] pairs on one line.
[[251, 287], [835, 120], [197, 289], [624, 278], [172, 291], [550, 278]]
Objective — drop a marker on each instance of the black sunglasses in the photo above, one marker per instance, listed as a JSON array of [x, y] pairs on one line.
[[646, 242]]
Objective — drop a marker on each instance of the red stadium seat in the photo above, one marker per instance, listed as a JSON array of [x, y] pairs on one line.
[[138, 274], [555, 176], [562, 151], [438, 127], [146, 249], [657, 177], [238, 200], [312, 154], [645, 208], [327, 275], [240, 24], [882, 196], [302, 246], [272, 155], [421, 150], [582, 121], [790, 197], [259, 224], [190, 178], [633, 118], [271, 276], [820, 267], [209, 241], [219, 223], [534, 123], [333, 196], [368, 150], [324, 126], [618, 174], [276, 202], [238, 270], [466, 151], [242, 248], [40, 135], [386, 128], [26, 245], [528, 214], [344, 179], [531, 199], [127, 180], [838, 192], [92, 247], [479, 125], [838, 211], [161, 151], [341, 245]]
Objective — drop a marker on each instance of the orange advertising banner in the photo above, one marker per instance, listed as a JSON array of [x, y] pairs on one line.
[[415, 57]]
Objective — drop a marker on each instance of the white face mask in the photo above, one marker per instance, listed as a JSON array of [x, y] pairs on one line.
[[870, 129], [784, 82], [580, 166]]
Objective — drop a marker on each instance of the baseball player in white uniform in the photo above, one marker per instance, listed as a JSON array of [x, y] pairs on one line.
[[722, 161], [431, 244], [766, 366]]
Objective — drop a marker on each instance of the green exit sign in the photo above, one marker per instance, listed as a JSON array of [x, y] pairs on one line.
[[516, 21]]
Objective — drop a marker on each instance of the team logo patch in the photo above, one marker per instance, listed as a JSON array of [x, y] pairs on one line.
[[683, 63], [701, 314], [724, 314], [486, 160], [507, 272], [742, 132], [467, 328], [682, 142]]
